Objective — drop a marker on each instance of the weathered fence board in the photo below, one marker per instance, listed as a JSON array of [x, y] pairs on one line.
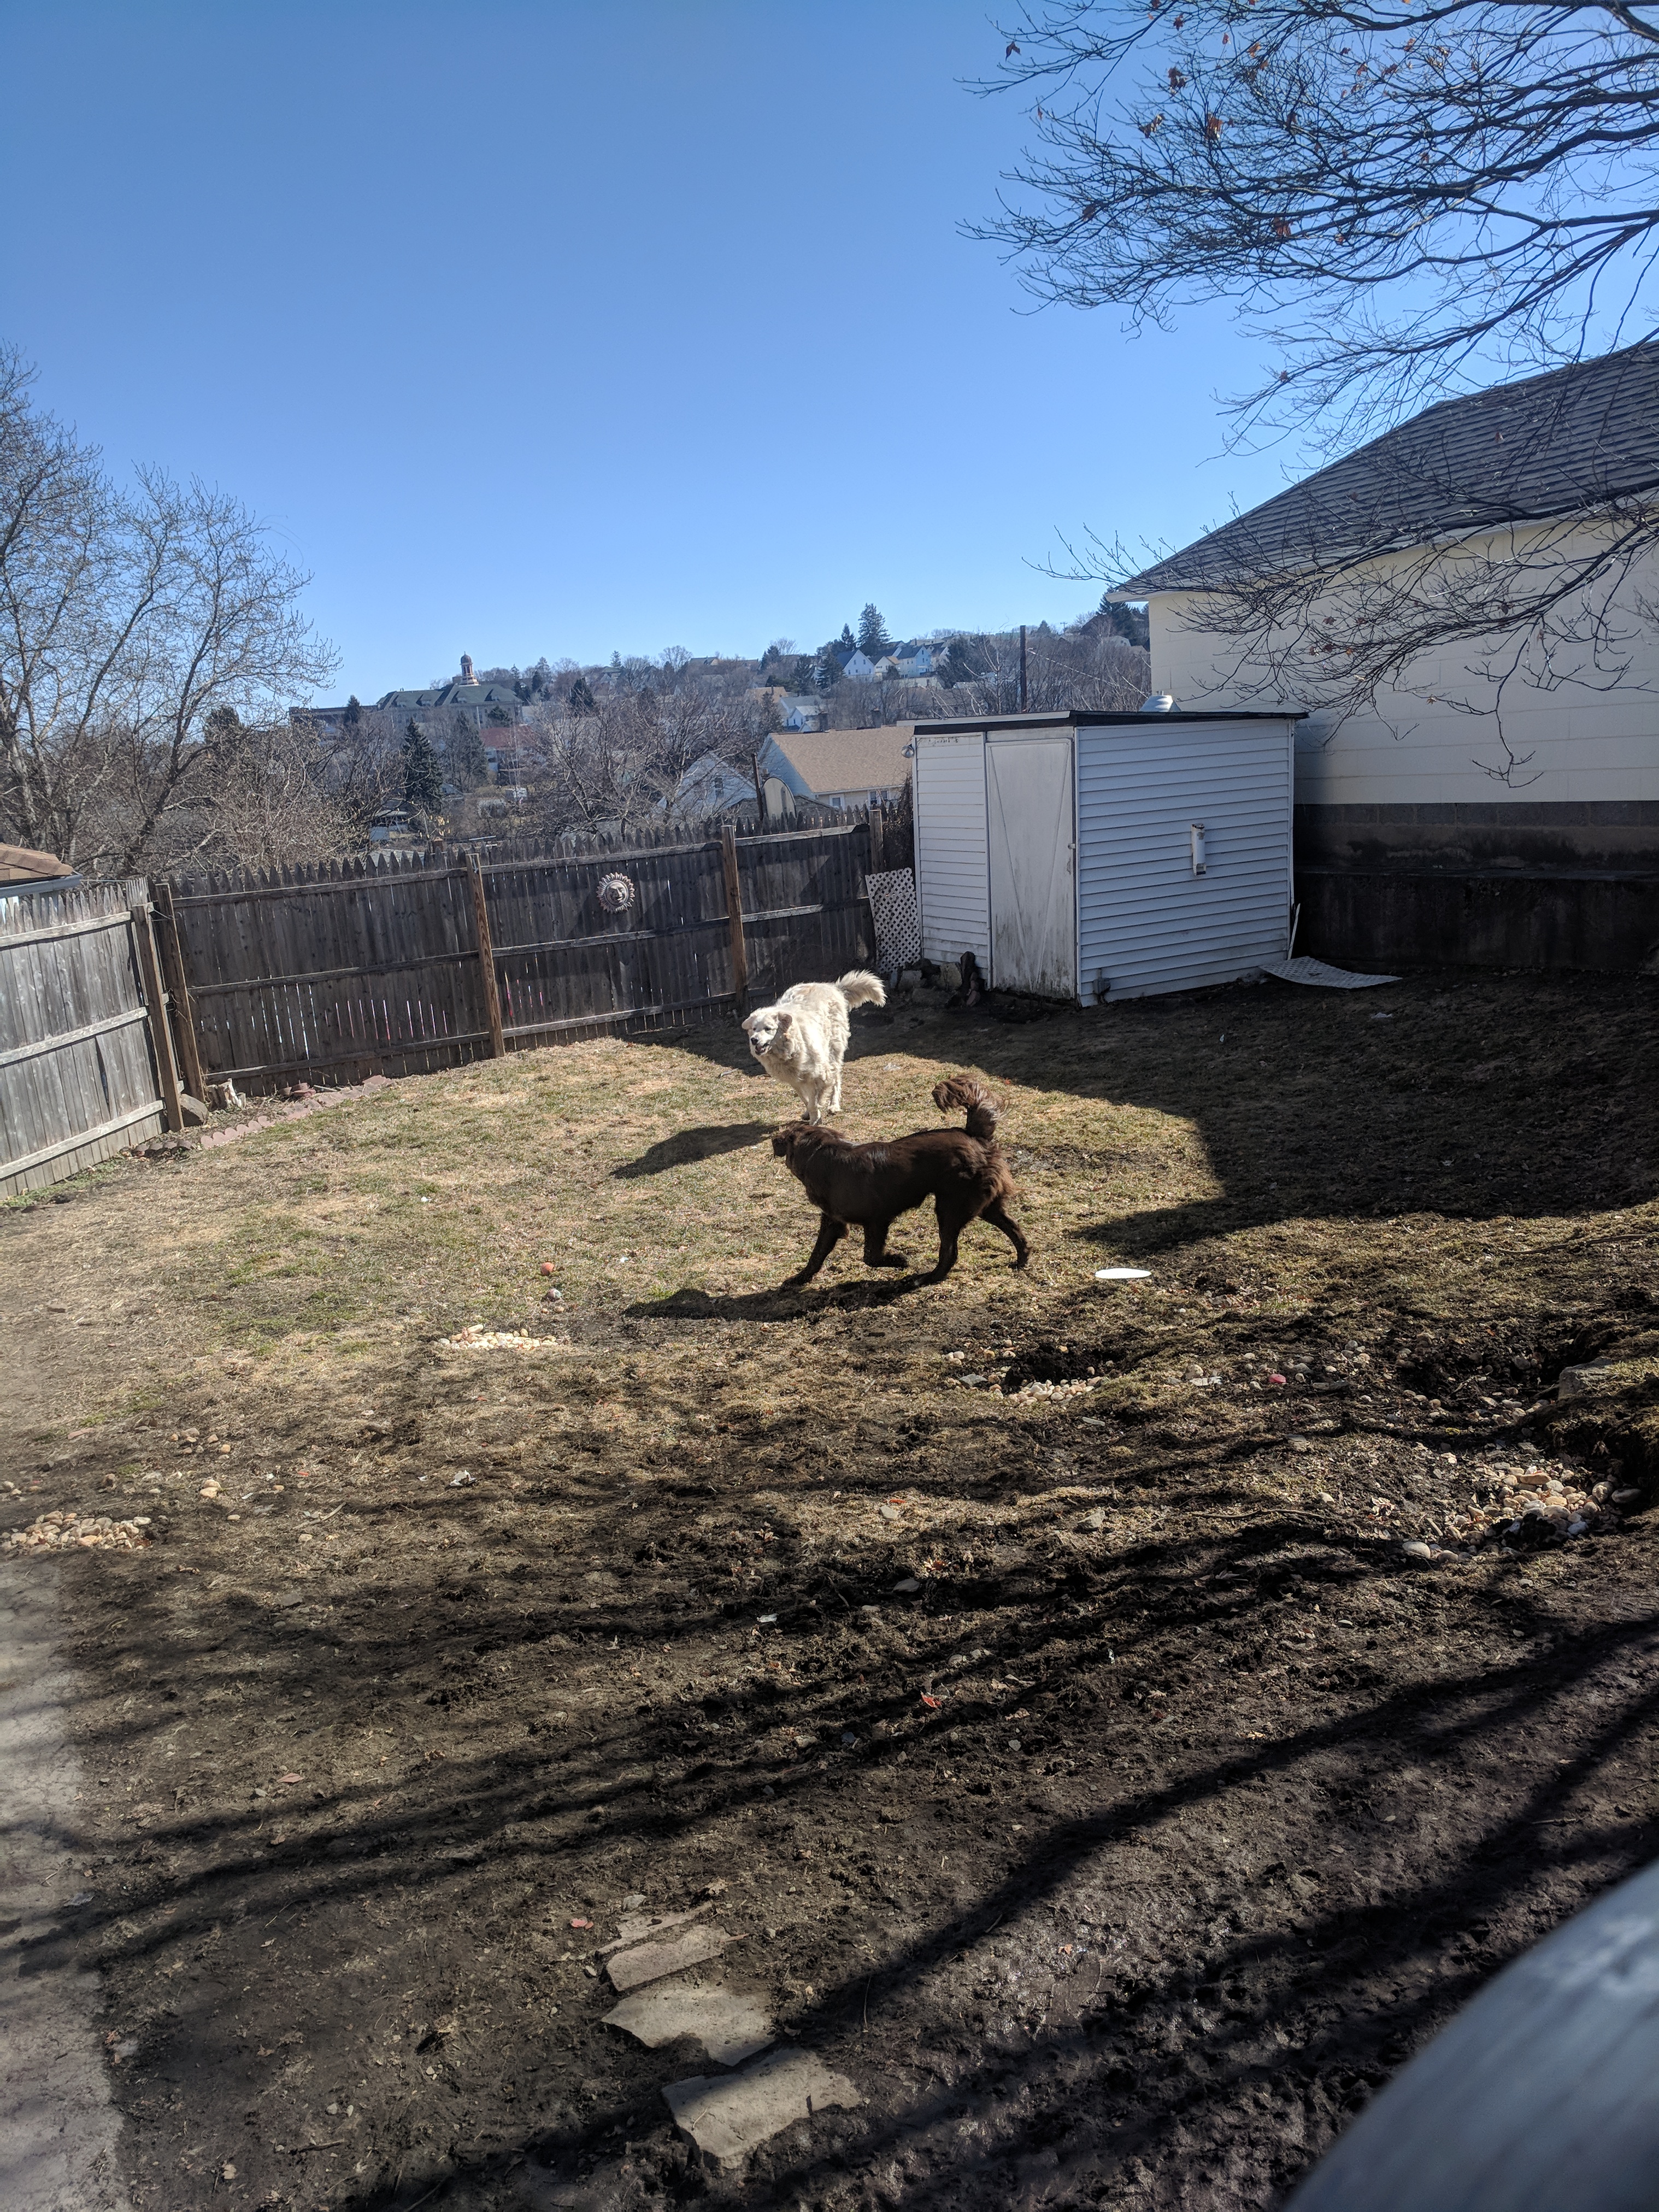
[[359, 967], [78, 1070], [568, 964], [348, 968]]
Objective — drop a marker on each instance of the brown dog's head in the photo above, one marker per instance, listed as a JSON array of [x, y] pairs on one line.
[[787, 1138], [799, 1142]]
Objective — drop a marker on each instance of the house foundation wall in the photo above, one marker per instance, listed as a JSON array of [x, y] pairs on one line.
[[1617, 835], [1378, 918]]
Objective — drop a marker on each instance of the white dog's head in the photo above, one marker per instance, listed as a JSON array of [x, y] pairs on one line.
[[770, 1032]]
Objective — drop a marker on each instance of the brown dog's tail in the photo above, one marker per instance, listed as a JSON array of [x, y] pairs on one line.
[[962, 1091]]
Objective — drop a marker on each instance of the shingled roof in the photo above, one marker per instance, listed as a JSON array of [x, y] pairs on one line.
[[1548, 446], [831, 761], [21, 864]]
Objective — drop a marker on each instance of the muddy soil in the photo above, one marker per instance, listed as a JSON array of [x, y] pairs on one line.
[[1034, 1686]]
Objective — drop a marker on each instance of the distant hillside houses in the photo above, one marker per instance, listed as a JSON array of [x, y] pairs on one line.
[[801, 710], [914, 662], [493, 705], [496, 703]]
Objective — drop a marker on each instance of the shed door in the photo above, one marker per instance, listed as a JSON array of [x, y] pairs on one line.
[[1033, 867]]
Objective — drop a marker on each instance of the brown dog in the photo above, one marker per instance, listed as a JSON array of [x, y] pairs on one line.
[[962, 1171]]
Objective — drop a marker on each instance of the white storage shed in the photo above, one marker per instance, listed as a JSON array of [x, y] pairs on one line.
[[1088, 856]]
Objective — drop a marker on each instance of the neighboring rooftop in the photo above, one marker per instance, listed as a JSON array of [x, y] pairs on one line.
[[832, 761], [20, 864], [1547, 447]]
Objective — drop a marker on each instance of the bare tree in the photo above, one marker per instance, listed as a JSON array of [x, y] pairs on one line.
[[623, 765], [1404, 198], [1088, 666], [363, 770], [266, 803], [127, 617]]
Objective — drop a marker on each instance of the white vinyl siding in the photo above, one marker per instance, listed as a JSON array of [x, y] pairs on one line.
[[1144, 920], [952, 858]]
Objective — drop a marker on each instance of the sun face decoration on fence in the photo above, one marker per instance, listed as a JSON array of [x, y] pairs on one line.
[[616, 894]]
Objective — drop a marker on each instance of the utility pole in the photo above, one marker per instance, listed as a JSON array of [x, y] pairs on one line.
[[1021, 668]]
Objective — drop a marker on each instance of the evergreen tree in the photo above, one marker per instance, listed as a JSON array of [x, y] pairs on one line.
[[354, 712], [1129, 623], [581, 700], [423, 786], [463, 753], [872, 633], [957, 665]]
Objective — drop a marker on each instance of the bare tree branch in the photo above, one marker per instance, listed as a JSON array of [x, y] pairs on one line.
[[126, 619], [1403, 199]]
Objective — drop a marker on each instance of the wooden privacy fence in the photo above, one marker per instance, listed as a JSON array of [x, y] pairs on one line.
[[404, 964], [80, 1076]]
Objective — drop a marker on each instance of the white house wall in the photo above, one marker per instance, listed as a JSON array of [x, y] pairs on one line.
[[1586, 752], [953, 857], [1145, 922]]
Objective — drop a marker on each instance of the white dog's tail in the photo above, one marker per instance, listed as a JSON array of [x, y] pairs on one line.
[[860, 989]]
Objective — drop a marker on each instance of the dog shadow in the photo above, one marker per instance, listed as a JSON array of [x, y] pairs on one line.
[[686, 1145], [787, 1299]]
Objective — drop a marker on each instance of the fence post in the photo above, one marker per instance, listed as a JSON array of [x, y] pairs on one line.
[[486, 957], [156, 1002], [172, 950], [734, 914]]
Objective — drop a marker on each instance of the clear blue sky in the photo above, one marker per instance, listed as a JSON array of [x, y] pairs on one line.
[[551, 329]]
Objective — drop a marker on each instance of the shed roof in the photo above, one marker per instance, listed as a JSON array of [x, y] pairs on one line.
[[848, 760], [1077, 718], [20, 864], [1546, 447]]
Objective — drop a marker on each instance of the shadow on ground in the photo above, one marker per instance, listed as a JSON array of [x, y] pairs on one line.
[[689, 1145], [1094, 1897]]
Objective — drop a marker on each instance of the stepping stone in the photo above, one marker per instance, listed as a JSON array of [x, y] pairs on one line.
[[727, 2116], [642, 1928], [730, 2027], [652, 1961]]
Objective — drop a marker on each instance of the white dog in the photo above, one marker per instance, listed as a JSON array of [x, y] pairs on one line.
[[801, 1039]]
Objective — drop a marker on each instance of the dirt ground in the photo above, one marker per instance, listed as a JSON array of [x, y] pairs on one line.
[[1039, 1688]]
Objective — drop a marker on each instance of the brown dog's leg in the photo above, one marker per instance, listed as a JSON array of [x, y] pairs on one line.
[[951, 1223], [830, 1233], [1010, 1229], [876, 1254]]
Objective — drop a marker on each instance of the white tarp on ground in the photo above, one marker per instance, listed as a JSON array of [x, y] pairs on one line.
[[1327, 979]]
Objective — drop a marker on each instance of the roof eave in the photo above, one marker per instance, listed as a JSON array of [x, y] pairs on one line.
[[1151, 584]]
